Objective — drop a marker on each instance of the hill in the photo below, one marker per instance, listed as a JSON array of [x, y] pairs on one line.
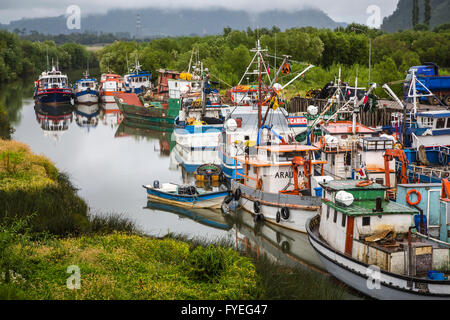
[[401, 18], [158, 22]]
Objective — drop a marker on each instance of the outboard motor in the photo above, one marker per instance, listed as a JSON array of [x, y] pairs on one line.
[[156, 184]]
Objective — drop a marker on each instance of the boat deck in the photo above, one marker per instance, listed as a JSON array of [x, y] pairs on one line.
[[129, 98]]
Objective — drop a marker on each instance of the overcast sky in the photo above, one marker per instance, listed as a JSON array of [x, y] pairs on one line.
[[338, 10]]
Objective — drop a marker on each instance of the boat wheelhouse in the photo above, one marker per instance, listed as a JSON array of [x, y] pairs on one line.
[[354, 151], [138, 81], [52, 87], [111, 84], [239, 133], [276, 183], [367, 242], [86, 90]]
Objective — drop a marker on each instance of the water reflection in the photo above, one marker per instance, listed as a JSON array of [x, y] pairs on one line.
[[147, 132], [54, 121], [110, 115], [207, 217], [87, 116]]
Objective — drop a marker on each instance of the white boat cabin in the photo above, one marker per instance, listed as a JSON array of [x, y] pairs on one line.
[[359, 222]]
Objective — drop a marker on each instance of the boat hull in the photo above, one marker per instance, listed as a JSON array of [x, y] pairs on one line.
[[300, 210], [53, 96], [211, 200], [87, 97], [146, 114], [360, 276]]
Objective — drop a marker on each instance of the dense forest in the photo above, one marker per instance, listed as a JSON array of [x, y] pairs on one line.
[[227, 55], [21, 58]]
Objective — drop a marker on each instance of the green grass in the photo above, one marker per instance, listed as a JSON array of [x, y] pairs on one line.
[[124, 266]]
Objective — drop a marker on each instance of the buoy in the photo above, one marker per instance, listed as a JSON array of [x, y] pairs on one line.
[[419, 197], [285, 213], [364, 183], [256, 206]]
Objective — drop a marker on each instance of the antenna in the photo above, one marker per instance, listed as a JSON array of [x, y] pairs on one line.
[[48, 67]]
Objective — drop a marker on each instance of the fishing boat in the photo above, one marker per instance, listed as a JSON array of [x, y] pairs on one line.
[[136, 109], [190, 160], [137, 81], [111, 84], [239, 133], [86, 90], [186, 195], [52, 88], [276, 184], [369, 243], [423, 134], [200, 118]]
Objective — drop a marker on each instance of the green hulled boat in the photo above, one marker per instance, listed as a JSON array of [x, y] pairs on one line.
[[134, 108]]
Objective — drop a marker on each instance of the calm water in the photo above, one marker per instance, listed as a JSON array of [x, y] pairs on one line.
[[109, 161]]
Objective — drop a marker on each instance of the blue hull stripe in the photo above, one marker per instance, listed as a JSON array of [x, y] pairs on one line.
[[186, 198]]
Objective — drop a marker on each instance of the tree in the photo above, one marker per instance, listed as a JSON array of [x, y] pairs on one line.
[[427, 12], [415, 13]]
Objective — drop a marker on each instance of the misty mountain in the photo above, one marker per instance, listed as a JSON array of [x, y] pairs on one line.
[[160, 22], [401, 18]]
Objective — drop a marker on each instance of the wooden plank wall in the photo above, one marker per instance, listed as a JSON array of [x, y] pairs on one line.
[[382, 117]]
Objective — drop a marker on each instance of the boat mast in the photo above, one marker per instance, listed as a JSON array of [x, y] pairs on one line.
[[259, 87]]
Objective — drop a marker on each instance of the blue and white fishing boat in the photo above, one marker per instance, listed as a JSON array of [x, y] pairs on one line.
[[137, 81], [86, 90], [186, 196], [201, 118]]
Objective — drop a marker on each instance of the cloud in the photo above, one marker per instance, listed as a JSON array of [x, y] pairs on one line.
[[342, 10]]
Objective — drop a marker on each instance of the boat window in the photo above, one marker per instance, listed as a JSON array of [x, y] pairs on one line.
[[332, 159], [343, 219], [348, 159], [335, 216], [366, 221], [328, 212], [448, 122], [379, 180], [440, 123]]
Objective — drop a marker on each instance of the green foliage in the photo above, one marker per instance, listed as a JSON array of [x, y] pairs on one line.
[[206, 264], [123, 266], [6, 130], [23, 58]]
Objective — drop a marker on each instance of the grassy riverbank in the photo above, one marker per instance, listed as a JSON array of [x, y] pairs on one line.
[[46, 229]]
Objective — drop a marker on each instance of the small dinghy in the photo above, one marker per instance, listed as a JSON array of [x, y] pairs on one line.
[[186, 195]]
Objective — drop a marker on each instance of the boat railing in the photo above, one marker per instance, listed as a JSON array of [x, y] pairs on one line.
[[430, 172]]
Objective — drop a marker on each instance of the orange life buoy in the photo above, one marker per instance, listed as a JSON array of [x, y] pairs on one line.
[[364, 183], [419, 197]]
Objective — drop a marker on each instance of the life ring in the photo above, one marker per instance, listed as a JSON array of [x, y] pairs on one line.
[[419, 197], [364, 183], [256, 207], [285, 213], [237, 194], [278, 219]]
